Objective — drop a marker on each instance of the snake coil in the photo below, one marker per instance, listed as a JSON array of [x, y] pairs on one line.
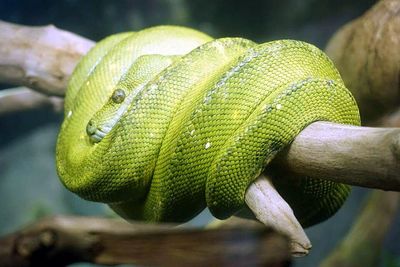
[[164, 122]]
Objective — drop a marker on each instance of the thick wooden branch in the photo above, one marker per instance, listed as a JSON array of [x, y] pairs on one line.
[[39, 57], [60, 241], [24, 99], [360, 156]]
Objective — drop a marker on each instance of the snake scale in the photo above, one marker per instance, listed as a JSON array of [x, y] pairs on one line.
[[164, 122]]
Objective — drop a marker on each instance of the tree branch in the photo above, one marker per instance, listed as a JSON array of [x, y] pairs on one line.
[[59, 241], [362, 156], [354, 155], [273, 211], [363, 52], [41, 58], [24, 99], [376, 93]]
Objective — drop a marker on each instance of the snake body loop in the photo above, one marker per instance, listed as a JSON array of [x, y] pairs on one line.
[[164, 122]]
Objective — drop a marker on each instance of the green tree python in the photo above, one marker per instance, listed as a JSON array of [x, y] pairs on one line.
[[164, 122]]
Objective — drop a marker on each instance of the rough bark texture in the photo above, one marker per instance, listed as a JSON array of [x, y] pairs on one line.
[[273, 211], [366, 52], [362, 156], [24, 99], [41, 58], [60, 241]]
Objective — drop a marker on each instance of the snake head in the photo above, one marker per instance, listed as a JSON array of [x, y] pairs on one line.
[[144, 68], [104, 120]]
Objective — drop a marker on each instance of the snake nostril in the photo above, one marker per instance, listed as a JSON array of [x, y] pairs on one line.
[[90, 128]]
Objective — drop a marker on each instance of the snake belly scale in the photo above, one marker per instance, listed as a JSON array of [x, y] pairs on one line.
[[161, 123]]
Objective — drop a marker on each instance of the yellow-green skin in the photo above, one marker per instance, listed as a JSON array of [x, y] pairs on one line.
[[166, 121]]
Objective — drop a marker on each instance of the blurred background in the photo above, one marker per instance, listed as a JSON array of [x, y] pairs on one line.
[[29, 186]]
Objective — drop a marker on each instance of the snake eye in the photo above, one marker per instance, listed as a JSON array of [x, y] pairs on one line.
[[118, 96]]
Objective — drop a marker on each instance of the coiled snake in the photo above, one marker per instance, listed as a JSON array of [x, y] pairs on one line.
[[164, 122]]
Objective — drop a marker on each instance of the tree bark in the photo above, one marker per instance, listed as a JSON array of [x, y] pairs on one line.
[[60, 241], [41, 58], [361, 156], [24, 99]]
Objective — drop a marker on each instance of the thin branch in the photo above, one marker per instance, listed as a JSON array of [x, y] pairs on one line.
[[41, 58], [273, 211], [23, 99], [60, 241]]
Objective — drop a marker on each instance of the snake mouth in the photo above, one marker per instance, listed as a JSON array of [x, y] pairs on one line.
[[95, 133]]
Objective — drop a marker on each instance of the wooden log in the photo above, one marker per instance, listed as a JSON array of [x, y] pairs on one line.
[[59, 241]]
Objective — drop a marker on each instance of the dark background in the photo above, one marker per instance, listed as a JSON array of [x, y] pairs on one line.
[[29, 186]]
